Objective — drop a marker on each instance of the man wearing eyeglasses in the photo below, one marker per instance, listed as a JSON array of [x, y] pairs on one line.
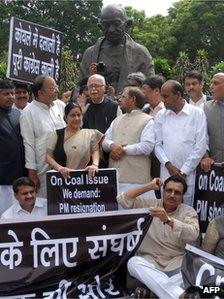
[[102, 110], [174, 224], [38, 120]]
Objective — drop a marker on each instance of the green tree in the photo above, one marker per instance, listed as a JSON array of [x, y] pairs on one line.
[[154, 32], [69, 71], [198, 25], [76, 19], [182, 66], [162, 67]]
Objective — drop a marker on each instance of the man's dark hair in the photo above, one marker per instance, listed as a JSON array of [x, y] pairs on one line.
[[6, 84], [137, 93], [155, 81], [195, 75], [176, 87], [136, 79], [22, 181], [38, 84], [176, 179], [22, 85]]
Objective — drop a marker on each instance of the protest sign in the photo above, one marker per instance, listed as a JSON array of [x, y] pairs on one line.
[[80, 193], [68, 256], [33, 50], [209, 195], [203, 270]]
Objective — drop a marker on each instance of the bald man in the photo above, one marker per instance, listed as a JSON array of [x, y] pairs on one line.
[[214, 111], [180, 130], [38, 120], [120, 53], [102, 110]]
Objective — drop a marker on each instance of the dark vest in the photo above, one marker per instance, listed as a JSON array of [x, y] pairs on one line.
[[100, 116], [59, 152]]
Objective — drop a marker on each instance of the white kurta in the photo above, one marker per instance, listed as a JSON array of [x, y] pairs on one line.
[[181, 139], [37, 122]]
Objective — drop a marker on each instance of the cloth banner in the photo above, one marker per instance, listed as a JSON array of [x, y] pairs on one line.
[[202, 269], [69, 256], [209, 195]]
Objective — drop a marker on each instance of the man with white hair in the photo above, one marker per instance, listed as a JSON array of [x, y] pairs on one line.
[[102, 110]]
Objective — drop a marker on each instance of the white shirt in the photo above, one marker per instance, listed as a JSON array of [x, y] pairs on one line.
[[180, 138], [16, 211], [37, 122], [15, 107], [199, 103], [144, 147]]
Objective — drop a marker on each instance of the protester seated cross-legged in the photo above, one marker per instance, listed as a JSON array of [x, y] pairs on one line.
[[174, 224], [72, 148], [27, 205]]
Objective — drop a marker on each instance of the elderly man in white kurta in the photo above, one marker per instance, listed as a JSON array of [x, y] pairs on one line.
[[180, 131], [130, 140], [38, 121]]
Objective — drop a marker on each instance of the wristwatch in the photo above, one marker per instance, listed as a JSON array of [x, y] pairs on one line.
[[168, 220], [183, 174]]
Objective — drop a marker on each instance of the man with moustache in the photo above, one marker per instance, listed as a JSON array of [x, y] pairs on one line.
[[21, 96], [130, 140], [174, 224], [194, 84], [27, 205], [180, 130], [214, 111], [11, 145]]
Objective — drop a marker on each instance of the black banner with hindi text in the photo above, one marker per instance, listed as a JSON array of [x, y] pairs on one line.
[[33, 50], [68, 256]]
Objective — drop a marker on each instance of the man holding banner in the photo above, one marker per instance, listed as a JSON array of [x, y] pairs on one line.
[[162, 250]]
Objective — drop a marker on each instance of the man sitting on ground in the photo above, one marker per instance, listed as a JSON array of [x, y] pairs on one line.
[[28, 205], [161, 252]]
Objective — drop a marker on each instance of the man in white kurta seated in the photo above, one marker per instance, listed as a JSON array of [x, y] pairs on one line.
[[27, 205], [174, 224], [130, 140]]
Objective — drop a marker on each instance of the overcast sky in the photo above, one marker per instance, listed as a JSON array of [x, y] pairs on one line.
[[151, 7]]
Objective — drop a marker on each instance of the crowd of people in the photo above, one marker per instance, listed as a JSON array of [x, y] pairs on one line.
[[153, 128], [154, 132]]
